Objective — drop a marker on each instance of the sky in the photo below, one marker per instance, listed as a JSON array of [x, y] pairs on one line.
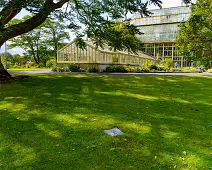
[[166, 4]]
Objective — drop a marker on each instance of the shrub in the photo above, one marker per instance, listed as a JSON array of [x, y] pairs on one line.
[[209, 70], [145, 68], [16, 66], [191, 70], [51, 63], [117, 69], [55, 68], [66, 69], [73, 67], [163, 68], [82, 70], [167, 62], [41, 65], [61, 69], [27, 66], [153, 71], [132, 69], [152, 67], [92, 70], [176, 70], [148, 66], [33, 64]]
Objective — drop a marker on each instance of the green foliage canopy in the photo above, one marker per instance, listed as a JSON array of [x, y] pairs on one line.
[[195, 35], [119, 36], [11, 59], [90, 14], [42, 42]]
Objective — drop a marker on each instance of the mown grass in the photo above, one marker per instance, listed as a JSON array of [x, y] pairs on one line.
[[58, 122], [27, 69]]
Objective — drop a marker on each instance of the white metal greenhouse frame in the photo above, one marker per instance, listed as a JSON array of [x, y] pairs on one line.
[[96, 57]]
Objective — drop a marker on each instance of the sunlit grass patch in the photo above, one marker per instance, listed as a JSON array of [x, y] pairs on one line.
[[27, 69], [58, 122]]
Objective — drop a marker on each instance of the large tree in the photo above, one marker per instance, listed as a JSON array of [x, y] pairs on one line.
[[55, 33], [32, 43], [195, 38], [91, 13], [43, 41]]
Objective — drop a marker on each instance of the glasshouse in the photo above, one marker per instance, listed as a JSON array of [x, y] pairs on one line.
[[160, 32], [98, 58]]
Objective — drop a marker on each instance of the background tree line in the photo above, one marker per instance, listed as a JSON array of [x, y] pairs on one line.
[[41, 44]]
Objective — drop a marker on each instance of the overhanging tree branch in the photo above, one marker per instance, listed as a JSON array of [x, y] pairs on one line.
[[33, 22], [11, 9]]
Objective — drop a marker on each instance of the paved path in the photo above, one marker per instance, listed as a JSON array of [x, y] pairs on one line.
[[152, 74], [32, 72], [116, 74]]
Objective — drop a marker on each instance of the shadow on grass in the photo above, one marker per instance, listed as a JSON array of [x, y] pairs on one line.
[[57, 122]]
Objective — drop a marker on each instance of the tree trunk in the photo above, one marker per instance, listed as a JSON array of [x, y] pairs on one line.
[[4, 75]]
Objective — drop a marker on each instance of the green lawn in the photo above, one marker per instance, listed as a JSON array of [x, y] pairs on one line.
[[27, 69], [57, 122]]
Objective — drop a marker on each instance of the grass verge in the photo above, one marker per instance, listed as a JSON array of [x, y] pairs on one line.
[[27, 69], [58, 122]]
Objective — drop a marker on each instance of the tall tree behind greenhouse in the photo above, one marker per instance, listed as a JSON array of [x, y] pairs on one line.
[[195, 36]]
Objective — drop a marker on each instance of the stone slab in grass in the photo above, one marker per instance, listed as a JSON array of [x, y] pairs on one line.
[[114, 132]]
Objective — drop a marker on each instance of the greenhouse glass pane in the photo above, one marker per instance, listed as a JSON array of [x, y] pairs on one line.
[[165, 15], [159, 33]]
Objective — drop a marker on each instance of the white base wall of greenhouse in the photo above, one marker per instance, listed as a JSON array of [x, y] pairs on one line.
[[99, 67]]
